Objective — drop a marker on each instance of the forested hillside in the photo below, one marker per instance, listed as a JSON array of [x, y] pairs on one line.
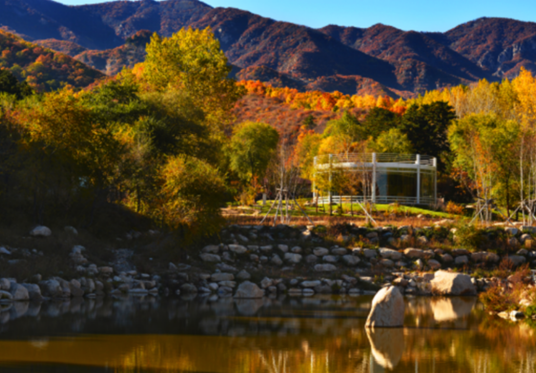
[[42, 68]]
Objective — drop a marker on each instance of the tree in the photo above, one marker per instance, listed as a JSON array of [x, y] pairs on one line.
[[392, 141], [192, 61], [426, 128], [379, 120], [346, 130], [251, 148], [486, 148], [9, 84], [192, 193]]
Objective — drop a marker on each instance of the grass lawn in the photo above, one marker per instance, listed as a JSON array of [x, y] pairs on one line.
[[357, 212]]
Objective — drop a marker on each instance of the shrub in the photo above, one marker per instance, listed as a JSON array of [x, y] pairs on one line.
[[469, 237], [454, 208]]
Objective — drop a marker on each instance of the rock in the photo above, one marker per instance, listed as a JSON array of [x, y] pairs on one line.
[[459, 252], [484, 256], [172, 267], [516, 260], [238, 249], [188, 289], [434, 264], [227, 284], [387, 263], [266, 283], [254, 258], [283, 248], [51, 288], [310, 284], [248, 290], [210, 258], [351, 260], [369, 253], [452, 283], [461, 260], [217, 277], [511, 231], [390, 254], [325, 268], [5, 284], [330, 259], [266, 249], [513, 242], [293, 258], [387, 309], [19, 292], [243, 275], [522, 252], [41, 231], [5, 296], [4, 251], [447, 258], [276, 260], [422, 240], [414, 253], [211, 249], [106, 271], [320, 251], [70, 229], [34, 291], [296, 250], [243, 238], [339, 251], [311, 258], [525, 237]]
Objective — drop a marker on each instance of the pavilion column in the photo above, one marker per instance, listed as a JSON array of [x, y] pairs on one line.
[[418, 179]]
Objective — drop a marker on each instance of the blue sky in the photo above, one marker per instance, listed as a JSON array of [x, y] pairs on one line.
[[419, 15]]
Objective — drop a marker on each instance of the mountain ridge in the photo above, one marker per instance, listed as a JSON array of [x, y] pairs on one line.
[[380, 58]]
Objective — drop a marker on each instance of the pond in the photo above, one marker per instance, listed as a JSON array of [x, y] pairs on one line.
[[291, 335]]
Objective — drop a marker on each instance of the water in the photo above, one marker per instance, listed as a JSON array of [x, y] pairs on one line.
[[290, 335]]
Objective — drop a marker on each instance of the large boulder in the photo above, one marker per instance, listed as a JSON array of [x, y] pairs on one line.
[[19, 292], [452, 283], [387, 309], [5, 296], [41, 231], [249, 290], [33, 291], [51, 288], [238, 249]]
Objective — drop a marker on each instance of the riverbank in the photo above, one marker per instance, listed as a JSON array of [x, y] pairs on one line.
[[291, 260]]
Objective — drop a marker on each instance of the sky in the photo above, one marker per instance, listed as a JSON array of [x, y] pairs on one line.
[[418, 15]]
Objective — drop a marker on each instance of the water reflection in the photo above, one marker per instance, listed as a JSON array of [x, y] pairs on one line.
[[387, 346], [305, 335]]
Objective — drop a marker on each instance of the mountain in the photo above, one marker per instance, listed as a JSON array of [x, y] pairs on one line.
[[499, 45], [380, 59], [43, 69]]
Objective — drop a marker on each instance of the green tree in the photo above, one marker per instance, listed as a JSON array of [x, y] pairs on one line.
[[378, 121], [426, 128], [392, 141], [251, 148], [486, 148], [347, 130]]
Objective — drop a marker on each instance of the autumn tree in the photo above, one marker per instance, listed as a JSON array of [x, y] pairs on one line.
[[191, 61]]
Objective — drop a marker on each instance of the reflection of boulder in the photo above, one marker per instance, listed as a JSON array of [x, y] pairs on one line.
[[387, 346], [448, 309], [248, 307]]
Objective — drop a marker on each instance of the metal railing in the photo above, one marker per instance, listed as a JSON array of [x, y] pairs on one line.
[[384, 200], [423, 160]]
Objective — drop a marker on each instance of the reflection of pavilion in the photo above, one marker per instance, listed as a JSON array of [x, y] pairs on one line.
[[404, 178]]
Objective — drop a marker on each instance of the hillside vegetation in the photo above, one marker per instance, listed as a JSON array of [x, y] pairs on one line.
[[43, 69]]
